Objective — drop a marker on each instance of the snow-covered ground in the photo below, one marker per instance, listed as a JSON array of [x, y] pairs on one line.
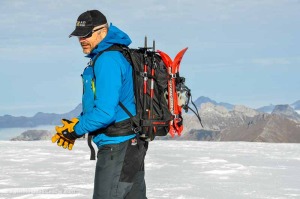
[[186, 169]]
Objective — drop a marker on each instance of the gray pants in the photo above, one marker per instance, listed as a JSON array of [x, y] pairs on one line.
[[120, 171]]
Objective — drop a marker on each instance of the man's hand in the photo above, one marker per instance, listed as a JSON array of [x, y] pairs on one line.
[[66, 135]]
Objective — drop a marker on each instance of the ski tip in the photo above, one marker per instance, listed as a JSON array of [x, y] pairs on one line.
[[185, 49], [165, 57]]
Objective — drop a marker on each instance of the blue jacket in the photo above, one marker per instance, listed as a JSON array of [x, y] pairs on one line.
[[113, 83]]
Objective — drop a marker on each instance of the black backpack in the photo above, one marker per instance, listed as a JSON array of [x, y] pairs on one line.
[[150, 79]]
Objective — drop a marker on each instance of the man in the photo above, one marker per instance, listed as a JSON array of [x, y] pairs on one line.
[[107, 83]]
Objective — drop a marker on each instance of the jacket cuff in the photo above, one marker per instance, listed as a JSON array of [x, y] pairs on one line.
[[78, 130]]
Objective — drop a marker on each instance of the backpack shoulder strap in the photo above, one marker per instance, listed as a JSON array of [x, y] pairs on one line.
[[115, 47], [122, 49]]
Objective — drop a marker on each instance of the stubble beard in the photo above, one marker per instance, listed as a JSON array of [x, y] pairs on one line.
[[86, 47]]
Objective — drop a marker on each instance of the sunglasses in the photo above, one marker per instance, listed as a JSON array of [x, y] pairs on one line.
[[91, 33]]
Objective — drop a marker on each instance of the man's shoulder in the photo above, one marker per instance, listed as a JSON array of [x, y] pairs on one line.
[[108, 56], [111, 58]]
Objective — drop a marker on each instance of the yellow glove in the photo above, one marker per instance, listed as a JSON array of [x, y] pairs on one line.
[[66, 135]]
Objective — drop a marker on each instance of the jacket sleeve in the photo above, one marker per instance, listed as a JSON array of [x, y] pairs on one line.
[[108, 82]]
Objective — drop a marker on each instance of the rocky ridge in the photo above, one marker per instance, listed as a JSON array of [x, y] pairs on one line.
[[33, 135], [236, 123]]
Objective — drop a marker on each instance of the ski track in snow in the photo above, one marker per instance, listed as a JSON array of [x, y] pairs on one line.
[[179, 170]]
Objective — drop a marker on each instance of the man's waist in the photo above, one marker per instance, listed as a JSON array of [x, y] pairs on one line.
[[121, 128]]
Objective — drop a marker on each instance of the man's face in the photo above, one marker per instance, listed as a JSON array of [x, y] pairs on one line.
[[92, 40]]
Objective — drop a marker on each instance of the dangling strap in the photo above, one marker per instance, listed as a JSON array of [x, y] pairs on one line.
[[196, 113], [122, 128], [93, 153]]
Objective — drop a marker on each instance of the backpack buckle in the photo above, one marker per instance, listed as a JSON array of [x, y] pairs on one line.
[[176, 116], [136, 130], [144, 74], [172, 76]]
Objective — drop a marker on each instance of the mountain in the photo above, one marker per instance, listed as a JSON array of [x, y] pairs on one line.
[[221, 123], [270, 108], [286, 111], [266, 109], [216, 117], [8, 121], [296, 105], [32, 135], [201, 100], [264, 128], [243, 124]]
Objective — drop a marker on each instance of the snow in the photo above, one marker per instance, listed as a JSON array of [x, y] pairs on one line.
[[174, 169]]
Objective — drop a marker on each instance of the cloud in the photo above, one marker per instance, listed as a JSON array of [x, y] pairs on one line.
[[272, 61]]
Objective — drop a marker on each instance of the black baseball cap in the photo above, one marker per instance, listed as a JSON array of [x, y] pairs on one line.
[[87, 21]]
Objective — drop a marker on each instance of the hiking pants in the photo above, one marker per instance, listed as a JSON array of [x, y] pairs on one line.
[[120, 171]]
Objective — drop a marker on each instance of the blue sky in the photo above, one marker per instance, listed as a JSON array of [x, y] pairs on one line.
[[242, 52]]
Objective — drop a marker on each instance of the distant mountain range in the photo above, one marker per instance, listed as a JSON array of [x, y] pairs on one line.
[[227, 122], [242, 124], [8, 121], [222, 122], [271, 107], [296, 105], [32, 135], [202, 100], [263, 109]]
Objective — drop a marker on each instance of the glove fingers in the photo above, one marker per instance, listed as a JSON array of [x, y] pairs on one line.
[[65, 122], [62, 139], [75, 120], [60, 129], [55, 138], [65, 145], [65, 125], [60, 142], [72, 124], [71, 145]]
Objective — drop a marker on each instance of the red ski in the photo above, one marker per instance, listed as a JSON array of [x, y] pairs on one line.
[[175, 109]]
